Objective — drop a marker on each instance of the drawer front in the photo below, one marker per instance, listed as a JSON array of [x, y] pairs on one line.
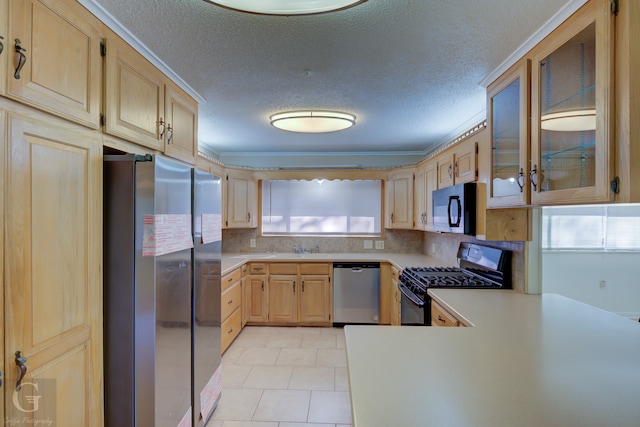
[[231, 278], [440, 317], [230, 329], [283, 268], [257, 268], [231, 299], [315, 268]]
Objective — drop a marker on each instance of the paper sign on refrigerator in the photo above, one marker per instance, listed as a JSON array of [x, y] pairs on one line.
[[166, 233]]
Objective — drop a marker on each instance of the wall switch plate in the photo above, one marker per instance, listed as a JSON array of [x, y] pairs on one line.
[[368, 244], [379, 244], [252, 243]]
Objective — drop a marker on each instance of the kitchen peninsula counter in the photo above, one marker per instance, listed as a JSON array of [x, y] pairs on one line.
[[526, 360], [232, 261]]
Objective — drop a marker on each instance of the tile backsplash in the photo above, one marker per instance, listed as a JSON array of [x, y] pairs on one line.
[[395, 241], [443, 246]]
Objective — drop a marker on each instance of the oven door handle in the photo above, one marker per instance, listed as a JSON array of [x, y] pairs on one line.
[[410, 295]]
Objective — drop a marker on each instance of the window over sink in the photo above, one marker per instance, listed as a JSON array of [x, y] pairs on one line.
[[321, 207]]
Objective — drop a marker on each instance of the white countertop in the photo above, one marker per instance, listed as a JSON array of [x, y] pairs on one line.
[[231, 261], [528, 360]]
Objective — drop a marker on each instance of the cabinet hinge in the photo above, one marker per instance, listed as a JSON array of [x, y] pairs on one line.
[[103, 49], [615, 185], [614, 7]]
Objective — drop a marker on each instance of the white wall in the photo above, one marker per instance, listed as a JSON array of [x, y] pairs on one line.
[[577, 275]]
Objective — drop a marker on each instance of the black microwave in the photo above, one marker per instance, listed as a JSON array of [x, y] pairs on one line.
[[454, 209]]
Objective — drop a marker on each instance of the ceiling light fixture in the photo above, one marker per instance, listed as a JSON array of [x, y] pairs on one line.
[[568, 121], [313, 121], [287, 7]]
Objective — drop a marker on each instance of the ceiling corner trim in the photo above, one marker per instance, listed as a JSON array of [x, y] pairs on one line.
[[101, 13], [565, 12]]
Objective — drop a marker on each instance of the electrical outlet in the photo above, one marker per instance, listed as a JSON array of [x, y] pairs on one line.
[[368, 244], [603, 283], [252, 243], [379, 244]]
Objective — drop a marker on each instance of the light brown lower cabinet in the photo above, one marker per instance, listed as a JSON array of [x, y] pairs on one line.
[[441, 317], [389, 295], [231, 307]]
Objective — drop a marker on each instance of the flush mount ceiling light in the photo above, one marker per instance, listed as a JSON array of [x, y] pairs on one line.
[[287, 7], [568, 121], [313, 121]]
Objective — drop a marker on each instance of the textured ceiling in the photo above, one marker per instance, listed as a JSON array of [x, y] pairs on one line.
[[410, 70]]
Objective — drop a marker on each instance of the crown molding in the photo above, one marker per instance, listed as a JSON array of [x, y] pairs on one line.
[[565, 12], [109, 20]]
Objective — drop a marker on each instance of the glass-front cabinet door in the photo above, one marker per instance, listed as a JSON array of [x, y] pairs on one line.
[[571, 156], [508, 126]]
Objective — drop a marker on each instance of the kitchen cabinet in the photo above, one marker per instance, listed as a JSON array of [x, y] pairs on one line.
[[58, 66], [258, 299], [242, 201], [399, 203], [51, 199], [389, 295], [143, 106], [230, 307], [283, 293], [395, 313], [4, 24], [181, 132], [572, 136], [425, 183], [315, 294], [508, 127], [458, 164], [246, 294], [441, 317]]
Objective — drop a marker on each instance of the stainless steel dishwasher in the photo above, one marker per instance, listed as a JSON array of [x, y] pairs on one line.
[[356, 292]]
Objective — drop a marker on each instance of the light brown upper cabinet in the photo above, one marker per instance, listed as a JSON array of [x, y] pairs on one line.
[[508, 126], [52, 58], [399, 203], [143, 106], [572, 133], [425, 183], [181, 115], [4, 22], [242, 200], [458, 164]]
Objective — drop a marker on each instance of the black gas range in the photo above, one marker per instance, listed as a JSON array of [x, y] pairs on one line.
[[480, 267]]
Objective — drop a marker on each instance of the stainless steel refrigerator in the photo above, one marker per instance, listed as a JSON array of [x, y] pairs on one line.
[[150, 297], [207, 233]]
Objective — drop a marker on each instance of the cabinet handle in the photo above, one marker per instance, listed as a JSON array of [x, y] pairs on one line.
[[441, 319], [303, 286], [22, 59], [520, 180], [294, 286], [170, 132], [248, 216], [533, 177], [450, 170], [230, 331], [161, 123], [263, 286], [455, 169], [230, 301], [1, 49], [230, 279], [392, 218], [21, 363]]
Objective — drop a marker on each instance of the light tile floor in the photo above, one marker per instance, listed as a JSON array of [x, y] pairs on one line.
[[284, 377]]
